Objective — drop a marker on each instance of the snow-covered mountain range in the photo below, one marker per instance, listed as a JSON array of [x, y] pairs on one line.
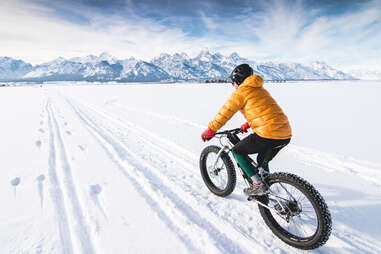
[[166, 67], [13, 69], [366, 74]]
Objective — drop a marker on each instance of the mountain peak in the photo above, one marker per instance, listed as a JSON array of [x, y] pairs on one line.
[[208, 52], [105, 54], [207, 56], [317, 62], [235, 57], [204, 52], [164, 55], [58, 60], [6, 58], [180, 56]]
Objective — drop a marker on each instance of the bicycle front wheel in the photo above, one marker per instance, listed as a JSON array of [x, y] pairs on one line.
[[300, 216], [219, 176]]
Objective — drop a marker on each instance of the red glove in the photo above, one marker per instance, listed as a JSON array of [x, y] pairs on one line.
[[207, 135], [244, 127]]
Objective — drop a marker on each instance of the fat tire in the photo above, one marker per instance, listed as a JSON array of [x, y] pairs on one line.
[[231, 174], [324, 228]]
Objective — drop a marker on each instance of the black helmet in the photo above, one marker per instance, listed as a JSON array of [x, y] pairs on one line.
[[241, 72]]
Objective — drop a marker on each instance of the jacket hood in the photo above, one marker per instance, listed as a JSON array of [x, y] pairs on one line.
[[253, 81]]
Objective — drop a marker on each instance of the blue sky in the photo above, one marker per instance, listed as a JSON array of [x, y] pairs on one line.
[[343, 33]]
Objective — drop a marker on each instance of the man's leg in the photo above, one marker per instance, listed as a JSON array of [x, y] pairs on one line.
[[241, 150], [249, 145], [266, 149], [244, 163], [273, 146]]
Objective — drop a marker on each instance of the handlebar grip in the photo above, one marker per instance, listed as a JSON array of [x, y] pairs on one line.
[[206, 137]]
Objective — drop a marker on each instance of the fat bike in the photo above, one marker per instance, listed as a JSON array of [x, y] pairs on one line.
[[292, 208]]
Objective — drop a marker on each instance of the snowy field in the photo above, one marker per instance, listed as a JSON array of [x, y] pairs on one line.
[[114, 168]]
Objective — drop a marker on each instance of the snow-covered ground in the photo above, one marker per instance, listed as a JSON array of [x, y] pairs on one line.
[[114, 168]]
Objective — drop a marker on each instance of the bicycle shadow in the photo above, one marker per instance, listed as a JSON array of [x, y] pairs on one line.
[[355, 218], [358, 210]]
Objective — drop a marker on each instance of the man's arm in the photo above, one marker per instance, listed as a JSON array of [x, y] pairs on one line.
[[231, 106]]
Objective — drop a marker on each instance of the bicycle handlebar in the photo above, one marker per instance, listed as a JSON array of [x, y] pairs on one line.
[[232, 131]]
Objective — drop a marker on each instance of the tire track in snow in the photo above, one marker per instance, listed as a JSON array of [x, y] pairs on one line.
[[187, 155], [210, 234], [163, 117], [362, 245], [331, 163], [57, 194], [79, 225]]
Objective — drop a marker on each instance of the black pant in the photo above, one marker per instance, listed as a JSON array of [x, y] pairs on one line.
[[265, 147]]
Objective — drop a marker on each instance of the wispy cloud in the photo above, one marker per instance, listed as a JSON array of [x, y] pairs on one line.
[[282, 29], [37, 35], [298, 33], [208, 21]]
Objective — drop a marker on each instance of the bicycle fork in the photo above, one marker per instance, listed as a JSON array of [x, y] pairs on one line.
[[223, 149]]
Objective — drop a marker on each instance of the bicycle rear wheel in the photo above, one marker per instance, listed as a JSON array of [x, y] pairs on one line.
[[220, 180], [300, 216]]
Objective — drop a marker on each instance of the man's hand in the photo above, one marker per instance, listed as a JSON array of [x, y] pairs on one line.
[[207, 135], [244, 127]]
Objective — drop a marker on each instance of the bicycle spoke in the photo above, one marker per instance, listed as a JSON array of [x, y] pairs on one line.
[[302, 225], [301, 198], [216, 171], [308, 216], [309, 220], [287, 191], [299, 226]]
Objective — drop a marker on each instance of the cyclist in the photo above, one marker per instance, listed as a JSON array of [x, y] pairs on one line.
[[270, 125]]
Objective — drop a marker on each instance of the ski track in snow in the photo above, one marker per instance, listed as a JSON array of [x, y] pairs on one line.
[[56, 194], [71, 219], [165, 149], [172, 118]]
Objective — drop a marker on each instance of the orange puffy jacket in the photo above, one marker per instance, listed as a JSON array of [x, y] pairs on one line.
[[263, 114]]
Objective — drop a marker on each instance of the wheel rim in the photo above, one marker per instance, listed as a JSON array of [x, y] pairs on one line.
[[298, 215], [218, 175]]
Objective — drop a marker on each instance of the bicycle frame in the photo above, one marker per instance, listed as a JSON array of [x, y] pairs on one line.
[[233, 139], [231, 135]]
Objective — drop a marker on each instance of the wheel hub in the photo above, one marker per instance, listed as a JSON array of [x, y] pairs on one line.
[[216, 171], [294, 208], [288, 209]]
